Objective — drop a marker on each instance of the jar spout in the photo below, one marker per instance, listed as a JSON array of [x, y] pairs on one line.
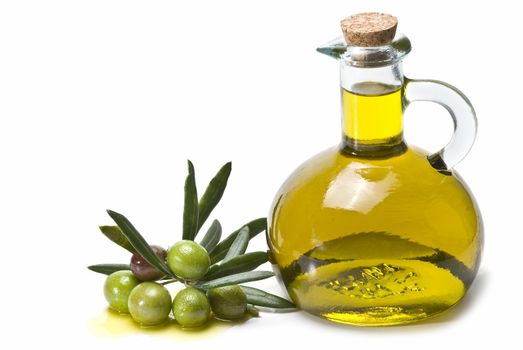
[[334, 48]]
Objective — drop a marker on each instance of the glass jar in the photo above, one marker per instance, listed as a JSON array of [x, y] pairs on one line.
[[374, 231]]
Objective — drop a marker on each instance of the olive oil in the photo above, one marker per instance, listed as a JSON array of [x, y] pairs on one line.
[[111, 324], [367, 119], [369, 233]]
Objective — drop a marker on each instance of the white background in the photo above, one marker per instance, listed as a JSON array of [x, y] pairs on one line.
[[102, 102]]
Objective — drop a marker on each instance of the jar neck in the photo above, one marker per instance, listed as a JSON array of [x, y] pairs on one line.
[[372, 110]]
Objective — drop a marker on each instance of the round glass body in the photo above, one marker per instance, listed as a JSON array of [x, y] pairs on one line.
[[374, 241]]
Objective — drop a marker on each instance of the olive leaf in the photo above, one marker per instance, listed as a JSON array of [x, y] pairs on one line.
[[213, 194], [190, 206], [261, 298], [138, 242], [115, 234], [212, 237], [234, 279], [239, 246], [240, 263], [108, 269], [255, 227]]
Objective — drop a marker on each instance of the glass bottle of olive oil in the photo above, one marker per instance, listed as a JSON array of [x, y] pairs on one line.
[[374, 231]]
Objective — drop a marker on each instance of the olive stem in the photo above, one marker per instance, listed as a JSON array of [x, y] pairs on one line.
[[169, 281]]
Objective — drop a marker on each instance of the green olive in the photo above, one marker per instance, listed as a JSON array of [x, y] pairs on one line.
[[191, 308], [188, 259], [149, 303], [117, 288], [228, 302]]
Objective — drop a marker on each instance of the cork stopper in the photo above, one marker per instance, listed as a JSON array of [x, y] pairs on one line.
[[369, 29]]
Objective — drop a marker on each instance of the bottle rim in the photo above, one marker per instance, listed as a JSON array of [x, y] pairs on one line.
[[373, 56]]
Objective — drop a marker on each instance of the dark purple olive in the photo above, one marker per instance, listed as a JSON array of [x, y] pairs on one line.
[[143, 270]]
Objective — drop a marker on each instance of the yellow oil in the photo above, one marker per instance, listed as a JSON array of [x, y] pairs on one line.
[[367, 119], [374, 240], [111, 324]]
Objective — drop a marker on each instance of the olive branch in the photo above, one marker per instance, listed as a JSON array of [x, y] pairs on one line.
[[230, 264]]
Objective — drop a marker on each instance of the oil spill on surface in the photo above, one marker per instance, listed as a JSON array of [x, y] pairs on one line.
[[111, 324]]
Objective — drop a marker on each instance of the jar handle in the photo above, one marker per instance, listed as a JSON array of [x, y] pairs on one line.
[[461, 111]]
